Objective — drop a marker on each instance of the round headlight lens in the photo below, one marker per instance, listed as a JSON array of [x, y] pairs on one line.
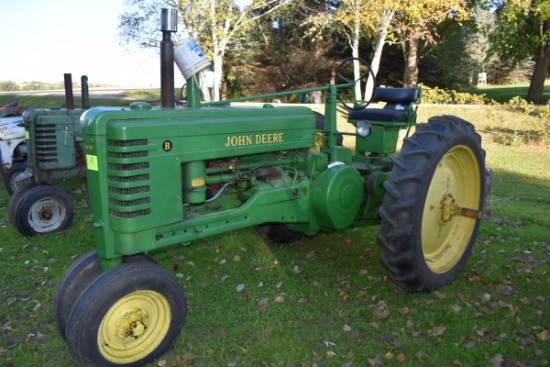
[[364, 128]]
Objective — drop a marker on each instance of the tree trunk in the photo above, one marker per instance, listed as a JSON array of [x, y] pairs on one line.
[[536, 87], [355, 48], [381, 35], [206, 96], [410, 76]]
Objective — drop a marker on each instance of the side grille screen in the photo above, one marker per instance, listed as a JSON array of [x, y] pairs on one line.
[[46, 144], [128, 179]]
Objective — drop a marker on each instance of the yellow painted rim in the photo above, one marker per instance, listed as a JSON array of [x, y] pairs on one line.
[[318, 142], [134, 327], [456, 178]]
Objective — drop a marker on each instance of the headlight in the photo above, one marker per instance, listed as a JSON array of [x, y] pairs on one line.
[[364, 128]]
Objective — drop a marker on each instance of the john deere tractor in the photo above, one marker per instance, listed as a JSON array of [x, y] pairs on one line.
[[54, 151], [151, 179]]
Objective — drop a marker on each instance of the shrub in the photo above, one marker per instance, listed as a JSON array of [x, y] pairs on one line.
[[444, 96], [541, 115], [9, 86]]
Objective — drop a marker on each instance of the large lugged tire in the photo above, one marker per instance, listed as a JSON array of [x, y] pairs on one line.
[[433, 204], [127, 316]]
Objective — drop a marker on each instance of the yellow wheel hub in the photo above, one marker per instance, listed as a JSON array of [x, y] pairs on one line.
[[134, 327], [451, 209]]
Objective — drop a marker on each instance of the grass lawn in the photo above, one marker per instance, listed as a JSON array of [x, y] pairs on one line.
[[504, 93], [325, 300]]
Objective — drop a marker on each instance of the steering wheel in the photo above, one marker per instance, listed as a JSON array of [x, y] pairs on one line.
[[345, 75]]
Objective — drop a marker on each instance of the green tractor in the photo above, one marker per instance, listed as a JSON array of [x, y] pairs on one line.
[[163, 176], [55, 151]]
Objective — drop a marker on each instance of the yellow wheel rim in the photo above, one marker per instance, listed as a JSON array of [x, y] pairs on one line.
[[451, 209], [318, 142], [134, 327]]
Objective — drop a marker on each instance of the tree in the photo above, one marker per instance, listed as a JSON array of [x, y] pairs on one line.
[[215, 24], [357, 19], [9, 86], [416, 29], [522, 31]]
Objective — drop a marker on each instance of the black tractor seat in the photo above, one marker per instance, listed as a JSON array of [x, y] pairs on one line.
[[397, 109]]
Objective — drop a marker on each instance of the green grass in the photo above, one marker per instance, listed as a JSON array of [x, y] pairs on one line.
[[504, 93], [324, 301]]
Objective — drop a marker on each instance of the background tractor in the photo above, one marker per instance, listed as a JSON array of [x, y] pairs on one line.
[[13, 148], [151, 173], [55, 151]]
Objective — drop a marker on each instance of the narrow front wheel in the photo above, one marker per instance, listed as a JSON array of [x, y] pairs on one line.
[[41, 210], [127, 316], [76, 279], [16, 177]]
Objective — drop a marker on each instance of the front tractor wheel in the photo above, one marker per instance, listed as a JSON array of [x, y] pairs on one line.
[[40, 210], [127, 316], [16, 177], [76, 279], [433, 204]]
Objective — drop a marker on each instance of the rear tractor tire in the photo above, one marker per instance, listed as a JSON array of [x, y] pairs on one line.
[[433, 204], [40, 210]]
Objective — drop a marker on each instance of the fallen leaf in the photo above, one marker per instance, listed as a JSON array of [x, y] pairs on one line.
[[236, 258], [543, 335], [279, 299], [240, 287], [504, 290], [421, 355], [296, 270], [485, 297], [346, 328], [376, 362], [496, 361], [189, 356], [470, 344], [401, 358], [438, 331]]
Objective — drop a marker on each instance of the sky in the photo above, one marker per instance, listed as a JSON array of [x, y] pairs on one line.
[[44, 39]]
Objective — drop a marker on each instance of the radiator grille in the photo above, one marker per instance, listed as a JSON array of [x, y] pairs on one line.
[[127, 143], [46, 143], [128, 178]]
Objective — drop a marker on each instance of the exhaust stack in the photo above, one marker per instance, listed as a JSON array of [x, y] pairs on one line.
[[168, 25], [69, 99]]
